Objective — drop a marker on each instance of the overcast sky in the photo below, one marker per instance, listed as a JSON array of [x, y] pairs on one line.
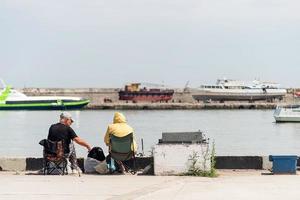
[[98, 43]]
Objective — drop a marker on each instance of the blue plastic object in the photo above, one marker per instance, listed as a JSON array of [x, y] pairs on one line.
[[286, 164], [111, 166]]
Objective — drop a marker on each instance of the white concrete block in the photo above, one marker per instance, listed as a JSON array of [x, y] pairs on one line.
[[13, 164], [268, 165], [174, 159]]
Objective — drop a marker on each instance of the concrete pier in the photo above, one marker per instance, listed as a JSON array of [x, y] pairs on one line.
[[234, 184], [229, 185], [107, 98]]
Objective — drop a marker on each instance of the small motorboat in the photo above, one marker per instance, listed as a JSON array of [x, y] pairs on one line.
[[289, 113]]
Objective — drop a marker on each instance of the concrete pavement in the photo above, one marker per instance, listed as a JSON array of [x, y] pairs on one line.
[[233, 185]]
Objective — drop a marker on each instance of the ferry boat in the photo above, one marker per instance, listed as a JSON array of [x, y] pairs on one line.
[[233, 90], [289, 113], [11, 99], [134, 92]]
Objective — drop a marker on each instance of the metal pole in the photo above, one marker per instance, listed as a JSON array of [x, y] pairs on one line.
[[142, 141]]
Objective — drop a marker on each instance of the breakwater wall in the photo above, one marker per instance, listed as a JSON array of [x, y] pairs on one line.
[[222, 162], [181, 106], [107, 98]]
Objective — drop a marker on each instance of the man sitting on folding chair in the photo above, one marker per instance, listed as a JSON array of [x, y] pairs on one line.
[[62, 131], [55, 161], [120, 139]]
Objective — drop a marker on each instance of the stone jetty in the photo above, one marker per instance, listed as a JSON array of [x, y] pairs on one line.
[[107, 98]]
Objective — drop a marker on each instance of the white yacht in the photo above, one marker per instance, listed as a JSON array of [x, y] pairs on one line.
[[234, 90], [11, 99], [289, 113]]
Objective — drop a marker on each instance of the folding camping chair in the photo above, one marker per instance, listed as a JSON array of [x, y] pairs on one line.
[[121, 150], [54, 161]]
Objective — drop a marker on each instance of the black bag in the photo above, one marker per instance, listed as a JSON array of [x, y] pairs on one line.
[[97, 153]]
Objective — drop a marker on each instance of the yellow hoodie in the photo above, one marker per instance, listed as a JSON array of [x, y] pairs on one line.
[[119, 128]]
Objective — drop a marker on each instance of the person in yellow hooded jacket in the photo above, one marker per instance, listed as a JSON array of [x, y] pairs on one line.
[[119, 128]]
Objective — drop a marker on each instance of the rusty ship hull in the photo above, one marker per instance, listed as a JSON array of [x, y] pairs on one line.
[[133, 92], [146, 96]]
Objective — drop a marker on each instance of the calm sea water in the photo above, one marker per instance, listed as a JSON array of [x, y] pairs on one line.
[[235, 132]]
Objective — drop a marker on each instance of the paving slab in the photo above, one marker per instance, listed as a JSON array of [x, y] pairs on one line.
[[231, 185]]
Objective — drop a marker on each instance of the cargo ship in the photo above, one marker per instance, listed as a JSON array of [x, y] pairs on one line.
[[234, 90], [135, 92], [11, 99]]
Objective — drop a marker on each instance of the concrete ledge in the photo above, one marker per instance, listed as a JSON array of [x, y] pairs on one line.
[[222, 162], [12, 164], [239, 162], [33, 164]]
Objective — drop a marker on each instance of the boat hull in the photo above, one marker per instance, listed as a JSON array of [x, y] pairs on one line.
[[217, 94], [237, 97], [287, 119], [146, 96], [289, 113], [44, 106]]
